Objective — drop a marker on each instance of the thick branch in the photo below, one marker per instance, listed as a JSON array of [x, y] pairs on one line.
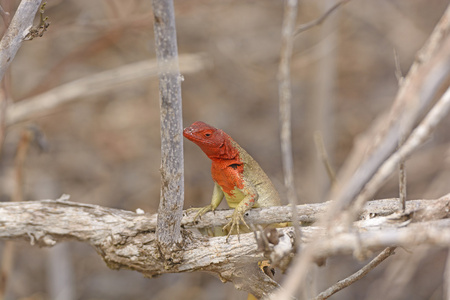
[[127, 240], [46, 221], [172, 164]]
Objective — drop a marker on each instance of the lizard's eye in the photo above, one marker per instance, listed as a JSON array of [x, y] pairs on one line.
[[208, 134]]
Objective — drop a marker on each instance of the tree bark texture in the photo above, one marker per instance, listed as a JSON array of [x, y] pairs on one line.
[[172, 165]]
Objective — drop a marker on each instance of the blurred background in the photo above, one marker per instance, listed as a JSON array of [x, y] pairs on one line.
[[105, 149]]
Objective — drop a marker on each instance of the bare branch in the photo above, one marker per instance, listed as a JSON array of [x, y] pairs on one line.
[[319, 20], [58, 212], [285, 96], [401, 164], [172, 163], [447, 277], [318, 140], [102, 82], [398, 69], [369, 153], [402, 183], [418, 136], [17, 30], [418, 91], [341, 284], [127, 240]]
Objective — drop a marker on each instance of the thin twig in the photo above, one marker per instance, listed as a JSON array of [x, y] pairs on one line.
[[447, 277], [402, 183], [319, 20], [285, 96], [398, 70], [341, 284], [401, 164], [318, 140]]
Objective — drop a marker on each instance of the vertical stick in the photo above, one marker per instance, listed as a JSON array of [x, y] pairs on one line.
[[402, 179], [321, 116], [401, 165], [447, 277], [172, 179], [284, 90]]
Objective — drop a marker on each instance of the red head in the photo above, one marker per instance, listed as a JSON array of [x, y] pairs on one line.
[[214, 142]]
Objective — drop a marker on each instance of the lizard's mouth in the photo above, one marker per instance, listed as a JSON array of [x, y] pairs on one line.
[[189, 134]]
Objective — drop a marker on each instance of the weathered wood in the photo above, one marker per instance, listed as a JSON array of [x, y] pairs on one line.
[[172, 164], [16, 32], [128, 240]]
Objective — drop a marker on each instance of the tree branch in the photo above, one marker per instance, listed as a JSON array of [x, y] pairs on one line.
[[341, 284], [417, 137], [172, 164], [17, 30], [285, 98], [127, 240], [417, 91], [45, 222], [319, 20], [102, 82]]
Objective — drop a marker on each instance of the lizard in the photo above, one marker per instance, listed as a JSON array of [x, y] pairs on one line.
[[237, 176]]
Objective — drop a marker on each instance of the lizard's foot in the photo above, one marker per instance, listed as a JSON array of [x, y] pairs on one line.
[[234, 223], [200, 211]]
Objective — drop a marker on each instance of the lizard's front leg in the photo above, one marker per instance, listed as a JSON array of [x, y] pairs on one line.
[[217, 197], [251, 196]]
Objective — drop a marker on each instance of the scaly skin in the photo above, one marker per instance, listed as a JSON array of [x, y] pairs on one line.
[[236, 175]]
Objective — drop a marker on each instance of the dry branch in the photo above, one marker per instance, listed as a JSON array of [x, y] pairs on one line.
[[106, 81], [285, 102], [417, 137], [341, 284], [17, 30], [411, 102], [127, 240], [319, 20], [172, 161]]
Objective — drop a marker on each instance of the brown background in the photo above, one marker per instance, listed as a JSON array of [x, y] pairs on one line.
[[105, 149]]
